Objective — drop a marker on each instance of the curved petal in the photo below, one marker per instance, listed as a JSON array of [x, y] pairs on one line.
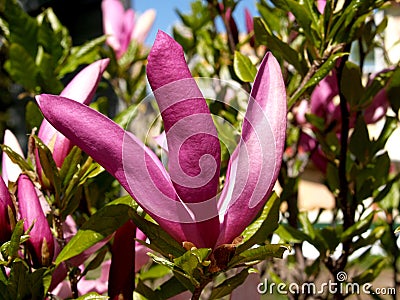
[[138, 169], [5, 204], [255, 163], [31, 212], [113, 23], [143, 25], [193, 144], [10, 170], [190, 130], [81, 89]]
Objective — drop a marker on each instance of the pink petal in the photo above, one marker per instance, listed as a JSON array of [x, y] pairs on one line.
[[5, 204], [194, 149], [255, 164], [31, 212], [113, 23], [143, 25], [249, 289], [121, 280], [81, 89], [321, 6], [138, 169], [10, 170]]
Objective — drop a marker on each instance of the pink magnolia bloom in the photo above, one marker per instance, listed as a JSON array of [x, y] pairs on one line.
[[10, 170], [120, 25], [6, 204], [41, 241], [81, 89], [321, 6], [184, 200], [322, 104]]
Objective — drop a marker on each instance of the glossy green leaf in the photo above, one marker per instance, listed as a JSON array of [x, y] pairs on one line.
[[192, 260], [243, 67], [291, 235], [23, 29], [322, 71], [372, 271], [17, 159], [263, 226], [70, 165], [280, 49], [358, 228], [160, 240], [83, 54], [228, 285], [33, 115], [49, 166], [21, 67], [101, 225], [254, 255], [15, 240]]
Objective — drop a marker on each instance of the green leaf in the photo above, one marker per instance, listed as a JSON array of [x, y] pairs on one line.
[[279, 48], [372, 272], [263, 226], [47, 77], [170, 288], [95, 262], [292, 235], [393, 90], [360, 144], [192, 260], [21, 67], [92, 296], [358, 228], [49, 166], [83, 54], [102, 224], [303, 18], [243, 67], [374, 236], [70, 165], [16, 158], [154, 272], [23, 29], [397, 230], [33, 115], [146, 292], [228, 285], [16, 239], [159, 239], [387, 130], [322, 71], [350, 83], [254, 255]]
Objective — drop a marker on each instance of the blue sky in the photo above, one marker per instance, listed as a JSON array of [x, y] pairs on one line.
[[166, 15]]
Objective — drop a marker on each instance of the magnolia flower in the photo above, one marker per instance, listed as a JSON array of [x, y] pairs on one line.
[[322, 104], [6, 206], [120, 25], [41, 241], [185, 200], [81, 89], [10, 170], [321, 6]]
